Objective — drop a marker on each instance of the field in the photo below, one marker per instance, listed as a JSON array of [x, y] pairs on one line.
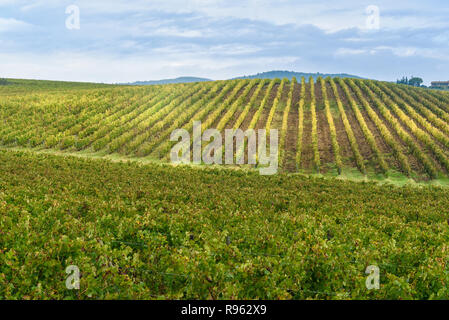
[[86, 181], [347, 128], [155, 231]]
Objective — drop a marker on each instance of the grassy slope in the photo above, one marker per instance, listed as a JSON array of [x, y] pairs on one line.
[[156, 231], [20, 87]]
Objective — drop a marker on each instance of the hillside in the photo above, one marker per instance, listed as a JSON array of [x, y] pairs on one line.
[[348, 128], [298, 75]]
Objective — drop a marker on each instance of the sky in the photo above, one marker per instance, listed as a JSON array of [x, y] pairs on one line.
[[134, 40]]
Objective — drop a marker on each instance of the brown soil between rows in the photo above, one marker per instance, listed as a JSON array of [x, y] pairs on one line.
[[225, 110], [261, 123], [235, 116], [291, 139], [248, 118], [306, 145], [323, 131], [226, 96], [279, 114], [238, 112]]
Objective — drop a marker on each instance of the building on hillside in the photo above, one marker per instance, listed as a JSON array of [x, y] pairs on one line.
[[440, 85]]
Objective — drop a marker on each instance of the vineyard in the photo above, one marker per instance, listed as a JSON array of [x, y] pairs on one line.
[[138, 227], [157, 232], [334, 127]]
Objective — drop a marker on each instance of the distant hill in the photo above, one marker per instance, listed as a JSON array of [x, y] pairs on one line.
[[298, 75], [263, 75], [168, 81]]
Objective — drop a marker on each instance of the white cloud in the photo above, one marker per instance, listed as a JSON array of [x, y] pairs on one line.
[[329, 16], [128, 40], [406, 52], [176, 32], [349, 52], [11, 24], [398, 51], [233, 49], [357, 39]]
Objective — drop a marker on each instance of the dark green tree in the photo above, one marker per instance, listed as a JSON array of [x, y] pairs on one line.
[[415, 81], [404, 80]]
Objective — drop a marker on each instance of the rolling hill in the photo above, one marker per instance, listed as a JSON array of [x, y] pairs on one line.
[[336, 127], [263, 75], [168, 81], [298, 75]]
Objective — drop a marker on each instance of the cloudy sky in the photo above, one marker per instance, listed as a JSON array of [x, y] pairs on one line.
[[130, 40]]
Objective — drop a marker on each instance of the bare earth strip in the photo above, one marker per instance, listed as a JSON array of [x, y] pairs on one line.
[[324, 136], [239, 110], [261, 124], [307, 148], [246, 122], [291, 141], [277, 119]]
